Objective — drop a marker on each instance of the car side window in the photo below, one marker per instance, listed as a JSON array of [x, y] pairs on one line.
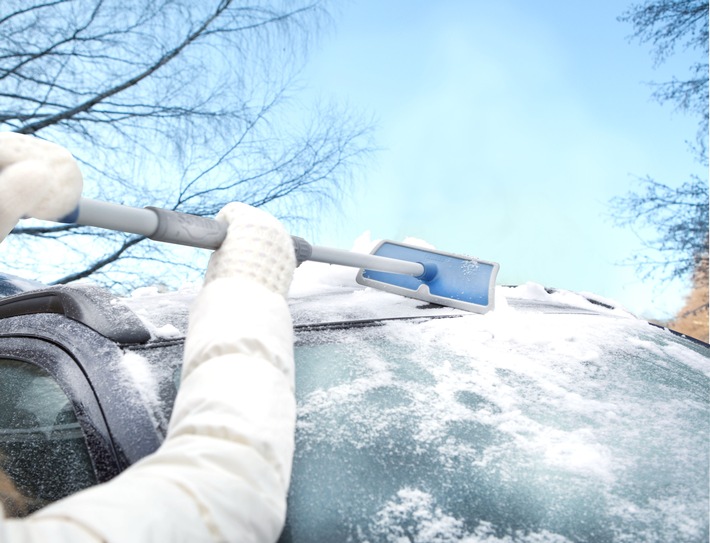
[[43, 452]]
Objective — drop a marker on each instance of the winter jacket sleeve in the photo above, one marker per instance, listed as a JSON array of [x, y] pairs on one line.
[[223, 471]]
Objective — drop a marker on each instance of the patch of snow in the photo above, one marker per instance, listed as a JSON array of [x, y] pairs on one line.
[[167, 331], [145, 380], [691, 359], [316, 279], [143, 292], [413, 516], [537, 292], [164, 314]]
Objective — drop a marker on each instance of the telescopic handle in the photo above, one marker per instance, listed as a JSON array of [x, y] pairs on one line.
[[151, 222], [194, 231], [329, 255]]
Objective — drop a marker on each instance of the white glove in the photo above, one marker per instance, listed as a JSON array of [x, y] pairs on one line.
[[257, 247], [37, 179]]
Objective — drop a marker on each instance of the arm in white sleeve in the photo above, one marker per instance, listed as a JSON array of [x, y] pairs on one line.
[[223, 472]]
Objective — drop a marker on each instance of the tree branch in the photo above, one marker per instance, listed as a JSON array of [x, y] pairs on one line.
[[87, 105], [99, 264]]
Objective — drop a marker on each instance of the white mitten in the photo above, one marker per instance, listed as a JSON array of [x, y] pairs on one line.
[[37, 179], [257, 247]]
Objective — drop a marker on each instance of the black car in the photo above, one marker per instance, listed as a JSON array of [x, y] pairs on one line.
[[555, 417]]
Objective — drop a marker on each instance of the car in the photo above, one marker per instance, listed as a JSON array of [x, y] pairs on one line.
[[555, 417]]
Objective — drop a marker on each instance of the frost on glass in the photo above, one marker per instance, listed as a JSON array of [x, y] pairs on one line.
[[43, 453], [154, 372], [501, 428]]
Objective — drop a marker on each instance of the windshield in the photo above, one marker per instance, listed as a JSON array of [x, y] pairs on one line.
[[554, 428]]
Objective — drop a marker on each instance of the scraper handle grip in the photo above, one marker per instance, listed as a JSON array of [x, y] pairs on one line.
[[151, 222], [191, 230]]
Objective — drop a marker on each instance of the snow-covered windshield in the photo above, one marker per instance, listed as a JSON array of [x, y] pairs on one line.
[[552, 418], [507, 427]]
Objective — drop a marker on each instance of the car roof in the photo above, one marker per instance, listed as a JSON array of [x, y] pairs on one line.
[[320, 296], [329, 295]]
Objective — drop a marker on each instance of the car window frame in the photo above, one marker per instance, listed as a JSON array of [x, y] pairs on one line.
[[60, 366], [89, 368]]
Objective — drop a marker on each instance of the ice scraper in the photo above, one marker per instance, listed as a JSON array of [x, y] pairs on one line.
[[425, 274]]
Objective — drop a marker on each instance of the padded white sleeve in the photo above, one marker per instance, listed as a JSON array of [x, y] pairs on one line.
[[223, 471]]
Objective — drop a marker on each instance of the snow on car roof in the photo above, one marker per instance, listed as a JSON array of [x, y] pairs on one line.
[[322, 293]]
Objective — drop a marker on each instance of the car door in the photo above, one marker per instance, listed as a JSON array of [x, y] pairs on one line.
[[53, 438], [70, 416]]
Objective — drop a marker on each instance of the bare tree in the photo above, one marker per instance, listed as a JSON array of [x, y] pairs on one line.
[[680, 218], [669, 25], [679, 215], [174, 103]]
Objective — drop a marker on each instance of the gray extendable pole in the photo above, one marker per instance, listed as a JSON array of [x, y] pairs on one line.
[[183, 229], [115, 217], [306, 251]]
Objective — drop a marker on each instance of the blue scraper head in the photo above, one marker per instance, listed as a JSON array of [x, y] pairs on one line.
[[448, 279]]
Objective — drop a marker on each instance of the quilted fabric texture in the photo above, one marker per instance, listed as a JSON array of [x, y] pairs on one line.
[[257, 247]]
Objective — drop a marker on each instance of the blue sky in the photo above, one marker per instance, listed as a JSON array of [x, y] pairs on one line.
[[505, 128]]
